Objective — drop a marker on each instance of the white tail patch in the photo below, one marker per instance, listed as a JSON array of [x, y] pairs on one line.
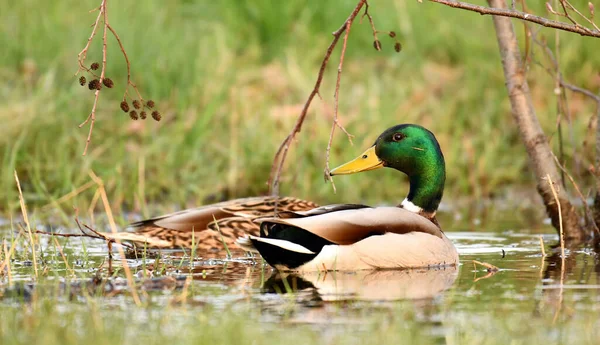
[[409, 206], [246, 244], [287, 245]]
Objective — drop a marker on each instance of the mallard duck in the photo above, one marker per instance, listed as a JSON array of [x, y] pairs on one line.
[[206, 228], [355, 237]]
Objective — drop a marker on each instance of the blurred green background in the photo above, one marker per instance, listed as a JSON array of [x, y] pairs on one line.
[[230, 78]]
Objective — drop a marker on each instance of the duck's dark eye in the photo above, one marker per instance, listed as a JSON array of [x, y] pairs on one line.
[[398, 136]]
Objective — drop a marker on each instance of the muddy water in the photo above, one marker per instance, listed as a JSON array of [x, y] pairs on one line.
[[528, 285]]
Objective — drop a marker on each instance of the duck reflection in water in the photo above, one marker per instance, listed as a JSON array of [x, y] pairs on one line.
[[375, 285]]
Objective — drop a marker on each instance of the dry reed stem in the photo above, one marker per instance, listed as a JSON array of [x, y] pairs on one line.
[[182, 297], [561, 289], [283, 149], [578, 29], [543, 259], [113, 228], [542, 246], [586, 207], [70, 195], [562, 251], [26, 220], [93, 204], [6, 262], [562, 237], [62, 254], [142, 183]]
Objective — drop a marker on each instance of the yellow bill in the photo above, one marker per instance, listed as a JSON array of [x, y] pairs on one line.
[[365, 162]]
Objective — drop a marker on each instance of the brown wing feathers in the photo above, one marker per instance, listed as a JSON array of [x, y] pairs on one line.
[[233, 219]]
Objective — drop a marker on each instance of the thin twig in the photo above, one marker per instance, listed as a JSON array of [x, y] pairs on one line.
[[94, 235], [550, 55], [336, 104], [491, 270], [83, 54], [581, 90], [129, 82], [572, 8], [58, 234], [370, 18], [282, 152], [578, 29], [565, 12], [489, 267]]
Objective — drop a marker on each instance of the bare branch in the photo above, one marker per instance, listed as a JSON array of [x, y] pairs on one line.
[[129, 82], [81, 59], [101, 79], [83, 54], [282, 152], [580, 90], [505, 12]]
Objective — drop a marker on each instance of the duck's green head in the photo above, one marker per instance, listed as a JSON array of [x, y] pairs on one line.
[[413, 150]]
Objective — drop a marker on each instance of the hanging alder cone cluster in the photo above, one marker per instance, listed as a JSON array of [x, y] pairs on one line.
[[392, 34], [140, 105], [96, 84]]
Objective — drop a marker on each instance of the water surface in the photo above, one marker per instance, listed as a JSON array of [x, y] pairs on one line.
[[530, 292]]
